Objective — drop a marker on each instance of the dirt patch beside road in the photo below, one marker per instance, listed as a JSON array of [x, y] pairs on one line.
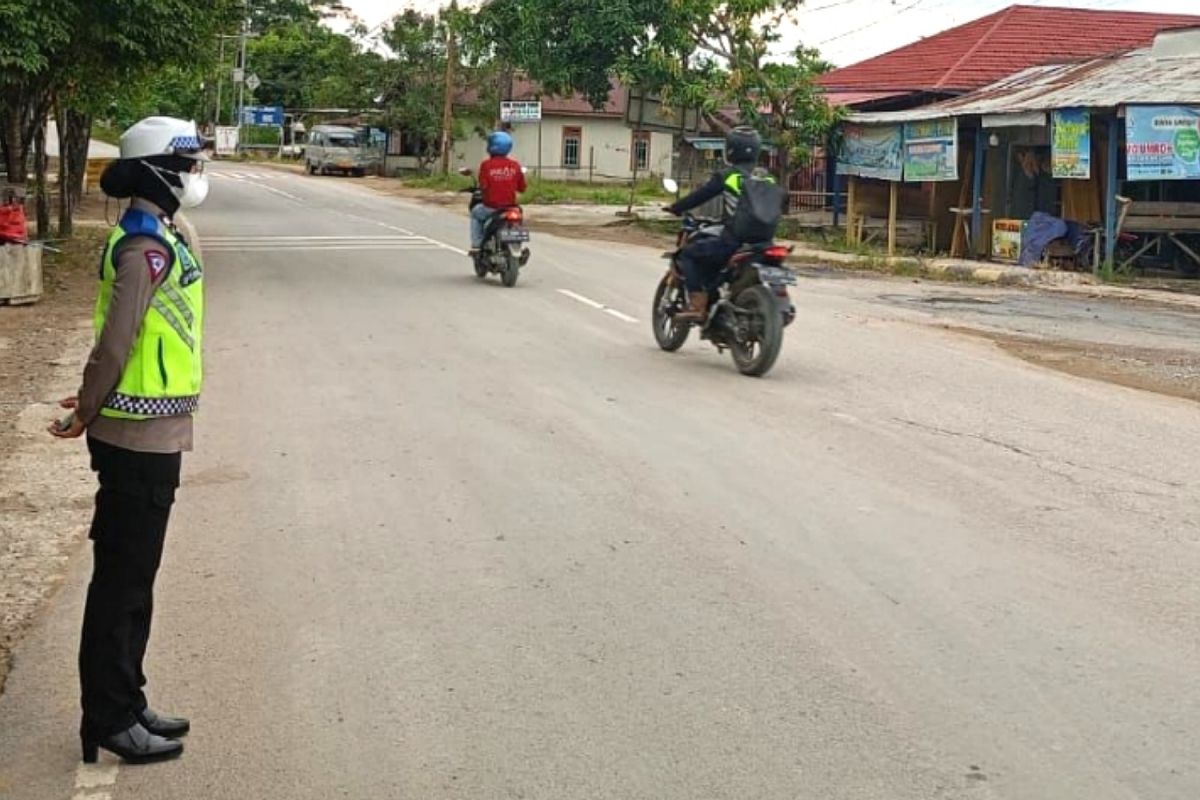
[[1174, 373], [45, 485]]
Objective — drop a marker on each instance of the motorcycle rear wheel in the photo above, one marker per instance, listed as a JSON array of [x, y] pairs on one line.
[[512, 268], [755, 356]]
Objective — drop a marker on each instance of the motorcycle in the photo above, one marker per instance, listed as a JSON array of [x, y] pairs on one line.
[[751, 309], [505, 239]]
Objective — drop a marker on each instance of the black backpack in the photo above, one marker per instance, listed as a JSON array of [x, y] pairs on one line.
[[759, 209]]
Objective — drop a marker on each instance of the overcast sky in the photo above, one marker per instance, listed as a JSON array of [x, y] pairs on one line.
[[847, 31]]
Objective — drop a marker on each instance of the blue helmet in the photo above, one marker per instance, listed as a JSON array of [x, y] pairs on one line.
[[499, 143]]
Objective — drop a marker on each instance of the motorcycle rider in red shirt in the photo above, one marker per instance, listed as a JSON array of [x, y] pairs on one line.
[[501, 179]]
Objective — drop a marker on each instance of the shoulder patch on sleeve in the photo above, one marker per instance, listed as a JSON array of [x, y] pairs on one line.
[[157, 261]]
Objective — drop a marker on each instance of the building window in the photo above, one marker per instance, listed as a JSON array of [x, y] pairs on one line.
[[572, 144], [640, 151]]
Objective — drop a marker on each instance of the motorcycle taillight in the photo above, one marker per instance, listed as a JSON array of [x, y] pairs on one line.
[[512, 215], [776, 253]]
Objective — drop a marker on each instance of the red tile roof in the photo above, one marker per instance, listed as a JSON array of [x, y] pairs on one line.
[[981, 52]]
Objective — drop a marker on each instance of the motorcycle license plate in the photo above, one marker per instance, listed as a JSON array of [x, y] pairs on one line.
[[513, 235], [777, 275]]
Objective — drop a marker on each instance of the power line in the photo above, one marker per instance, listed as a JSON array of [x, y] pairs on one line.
[[871, 24]]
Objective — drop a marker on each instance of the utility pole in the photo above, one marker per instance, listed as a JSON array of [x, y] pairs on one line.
[[242, 65], [448, 102], [220, 76]]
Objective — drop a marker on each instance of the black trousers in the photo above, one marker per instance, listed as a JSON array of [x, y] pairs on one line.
[[128, 531], [702, 260]]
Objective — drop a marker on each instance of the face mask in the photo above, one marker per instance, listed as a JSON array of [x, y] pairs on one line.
[[194, 191], [193, 188]]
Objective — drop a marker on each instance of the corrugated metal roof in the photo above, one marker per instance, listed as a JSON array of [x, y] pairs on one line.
[[1136, 78], [976, 54]]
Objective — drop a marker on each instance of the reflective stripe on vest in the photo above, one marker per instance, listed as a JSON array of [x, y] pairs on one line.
[[731, 195], [164, 371]]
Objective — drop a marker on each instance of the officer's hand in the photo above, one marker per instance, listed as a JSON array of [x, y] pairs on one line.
[[73, 430]]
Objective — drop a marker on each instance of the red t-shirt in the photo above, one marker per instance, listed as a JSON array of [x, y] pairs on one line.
[[501, 179]]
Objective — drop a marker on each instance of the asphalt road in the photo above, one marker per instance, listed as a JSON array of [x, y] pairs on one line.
[[441, 539]]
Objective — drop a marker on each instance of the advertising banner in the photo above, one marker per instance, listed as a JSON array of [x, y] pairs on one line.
[[931, 150], [1162, 143], [1071, 144], [871, 151]]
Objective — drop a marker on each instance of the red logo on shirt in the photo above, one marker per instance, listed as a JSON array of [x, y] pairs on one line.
[[156, 260]]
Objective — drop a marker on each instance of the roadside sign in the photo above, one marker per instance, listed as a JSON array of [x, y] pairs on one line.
[[239, 74], [253, 82], [226, 140], [521, 111], [262, 115]]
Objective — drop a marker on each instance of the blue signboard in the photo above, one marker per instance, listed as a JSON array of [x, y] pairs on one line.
[[871, 151], [1162, 143], [262, 115]]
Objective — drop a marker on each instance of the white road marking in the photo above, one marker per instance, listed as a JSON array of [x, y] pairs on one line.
[[256, 179], [581, 299], [90, 796], [273, 243], [620, 315], [587, 301], [390, 227]]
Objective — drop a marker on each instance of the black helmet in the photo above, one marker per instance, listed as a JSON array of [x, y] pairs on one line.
[[742, 146]]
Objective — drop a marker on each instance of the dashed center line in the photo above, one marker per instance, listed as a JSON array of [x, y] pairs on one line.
[[587, 301]]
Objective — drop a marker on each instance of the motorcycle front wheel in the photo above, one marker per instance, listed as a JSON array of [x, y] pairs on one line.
[[755, 352], [669, 335]]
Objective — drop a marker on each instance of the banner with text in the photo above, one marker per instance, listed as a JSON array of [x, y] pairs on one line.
[[931, 150], [1162, 143], [871, 151], [1071, 138]]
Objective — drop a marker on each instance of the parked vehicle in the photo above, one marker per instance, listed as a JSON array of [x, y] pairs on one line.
[[752, 307], [332, 148], [505, 242]]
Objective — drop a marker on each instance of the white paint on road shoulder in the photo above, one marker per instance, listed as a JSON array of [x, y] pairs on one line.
[[92, 780], [587, 301]]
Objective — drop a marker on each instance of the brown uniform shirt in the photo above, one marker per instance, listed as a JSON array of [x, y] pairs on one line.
[[133, 289]]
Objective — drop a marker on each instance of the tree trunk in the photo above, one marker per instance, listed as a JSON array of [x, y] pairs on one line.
[[75, 130], [40, 166], [16, 155]]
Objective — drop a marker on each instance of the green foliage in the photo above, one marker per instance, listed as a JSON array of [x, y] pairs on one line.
[[694, 53], [303, 64]]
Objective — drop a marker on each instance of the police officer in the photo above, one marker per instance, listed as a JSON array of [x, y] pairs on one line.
[[705, 255], [140, 388]]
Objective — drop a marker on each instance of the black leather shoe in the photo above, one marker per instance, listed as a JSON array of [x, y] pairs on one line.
[[162, 725], [134, 745]]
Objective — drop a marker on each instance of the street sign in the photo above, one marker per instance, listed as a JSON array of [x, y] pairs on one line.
[[239, 74], [253, 82], [227, 140], [262, 115], [521, 111]]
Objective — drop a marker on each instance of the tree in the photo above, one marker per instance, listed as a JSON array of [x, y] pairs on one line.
[[79, 56], [415, 80], [304, 64], [693, 53]]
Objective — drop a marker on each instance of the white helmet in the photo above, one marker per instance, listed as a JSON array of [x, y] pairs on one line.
[[161, 136], [168, 136]]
